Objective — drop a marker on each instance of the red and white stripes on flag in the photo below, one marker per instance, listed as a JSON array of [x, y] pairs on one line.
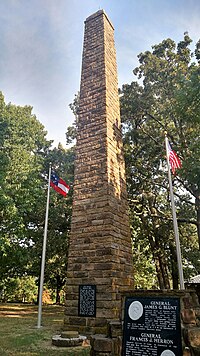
[[59, 185], [174, 160]]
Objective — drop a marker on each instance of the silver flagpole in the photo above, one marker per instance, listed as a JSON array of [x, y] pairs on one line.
[[43, 254], [176, 233]]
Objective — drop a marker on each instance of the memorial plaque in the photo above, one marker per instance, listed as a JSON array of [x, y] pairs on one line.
[[152, 327], [87, 300]]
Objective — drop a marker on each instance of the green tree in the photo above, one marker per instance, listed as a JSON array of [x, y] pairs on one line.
[[25, 156], [23, 148], [72, 130], [62, 161], [168, 100]]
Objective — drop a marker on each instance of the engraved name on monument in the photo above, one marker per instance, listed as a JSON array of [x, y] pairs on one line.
[[152, 327]]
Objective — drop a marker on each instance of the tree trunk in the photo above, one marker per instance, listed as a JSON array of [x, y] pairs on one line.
[[164, 269], [38, 291], [159, 273], [58, 288], [197, 202], [157, 265], [174, 265], [162, 260]]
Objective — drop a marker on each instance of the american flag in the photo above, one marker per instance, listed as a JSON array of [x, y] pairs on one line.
[[174, 160]]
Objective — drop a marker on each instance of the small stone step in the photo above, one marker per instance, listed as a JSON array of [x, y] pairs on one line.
[[69, 334]]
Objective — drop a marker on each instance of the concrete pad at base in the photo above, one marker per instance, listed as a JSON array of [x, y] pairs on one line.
[[59, 341]]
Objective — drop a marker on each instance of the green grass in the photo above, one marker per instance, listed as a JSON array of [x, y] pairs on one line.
[[20, 337]]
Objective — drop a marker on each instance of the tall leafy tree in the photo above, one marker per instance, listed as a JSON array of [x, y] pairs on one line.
[[166, 100], [58, 223], [23, 148], [25, 156]]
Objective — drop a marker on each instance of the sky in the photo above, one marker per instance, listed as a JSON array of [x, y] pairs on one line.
[[41, 48]]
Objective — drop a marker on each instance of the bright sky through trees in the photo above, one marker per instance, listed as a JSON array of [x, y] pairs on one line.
[[41, 47]]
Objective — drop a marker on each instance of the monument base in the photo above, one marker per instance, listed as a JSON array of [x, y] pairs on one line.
[[68, 339]]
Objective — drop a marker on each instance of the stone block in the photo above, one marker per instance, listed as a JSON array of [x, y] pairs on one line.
[[91, 330], [69, 334], [101, 343], [194, 337], [80, 274], [117, 346], [105, 313], [187, 301], [71, 311], [115, 329], [197, 312], [99, 322], [188, 316], [57, 340], [69, 303], [77, 320], [195, 299], [105, 295], [108, 304]]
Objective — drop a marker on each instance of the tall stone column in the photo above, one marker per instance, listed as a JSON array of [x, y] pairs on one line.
[[100, 250]]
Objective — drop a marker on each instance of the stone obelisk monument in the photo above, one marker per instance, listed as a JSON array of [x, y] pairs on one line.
[[100, 253]]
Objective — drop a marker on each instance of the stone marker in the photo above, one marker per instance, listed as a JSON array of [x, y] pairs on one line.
[[100, 251], [62, 341]]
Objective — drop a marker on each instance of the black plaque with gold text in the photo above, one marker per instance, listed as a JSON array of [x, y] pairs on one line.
[[152, 327]]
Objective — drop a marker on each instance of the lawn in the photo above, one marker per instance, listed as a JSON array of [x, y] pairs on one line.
[[20, 337]]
